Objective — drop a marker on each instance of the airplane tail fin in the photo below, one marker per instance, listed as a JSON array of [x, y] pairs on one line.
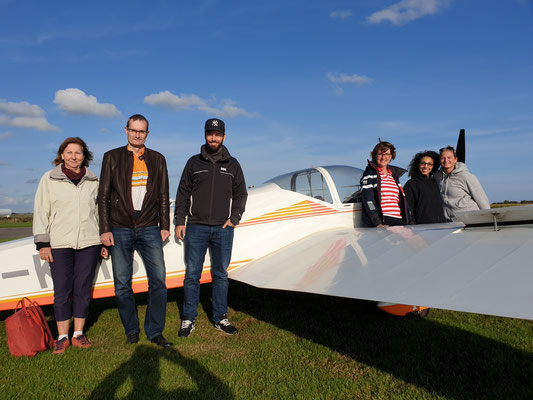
[[460, 149]]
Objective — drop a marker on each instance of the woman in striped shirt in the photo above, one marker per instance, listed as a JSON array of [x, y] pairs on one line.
[[383, 198]]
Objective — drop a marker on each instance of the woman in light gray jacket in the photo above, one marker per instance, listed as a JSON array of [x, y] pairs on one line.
[[460, 190], [65, 229]]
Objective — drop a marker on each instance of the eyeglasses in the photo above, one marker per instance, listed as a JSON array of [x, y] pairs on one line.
[[136, 131], [425, 163], [386, 155]]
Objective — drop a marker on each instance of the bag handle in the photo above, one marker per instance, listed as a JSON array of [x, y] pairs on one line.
[[22, 305]]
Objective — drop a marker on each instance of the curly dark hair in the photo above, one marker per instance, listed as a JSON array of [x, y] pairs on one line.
[[87, 155], [414, 165]]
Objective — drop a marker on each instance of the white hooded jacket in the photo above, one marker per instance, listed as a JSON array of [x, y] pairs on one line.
[[460, 191]]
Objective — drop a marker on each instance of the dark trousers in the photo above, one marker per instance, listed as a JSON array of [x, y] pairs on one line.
[[73, 274], [391, 221]]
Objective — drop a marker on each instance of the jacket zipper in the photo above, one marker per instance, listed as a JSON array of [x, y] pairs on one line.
[[212, 193], [129, 177]]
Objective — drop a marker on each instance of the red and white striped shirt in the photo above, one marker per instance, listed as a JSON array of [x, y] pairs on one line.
[[389, 195]]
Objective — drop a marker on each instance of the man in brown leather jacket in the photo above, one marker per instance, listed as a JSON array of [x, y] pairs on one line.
[[133, 206]]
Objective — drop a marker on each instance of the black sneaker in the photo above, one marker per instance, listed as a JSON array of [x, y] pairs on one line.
[[225, 326], [162, 342], [186, 329], [132, 338]]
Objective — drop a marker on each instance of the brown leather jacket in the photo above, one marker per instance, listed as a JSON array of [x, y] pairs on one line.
[[115, 207]]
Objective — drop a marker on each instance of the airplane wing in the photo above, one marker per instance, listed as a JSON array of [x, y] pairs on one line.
[[449, 266]]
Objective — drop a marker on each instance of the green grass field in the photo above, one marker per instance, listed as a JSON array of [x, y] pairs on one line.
[[15, 224], [289, 346]]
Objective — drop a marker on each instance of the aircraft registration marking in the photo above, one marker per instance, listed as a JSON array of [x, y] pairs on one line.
[[15, 274]]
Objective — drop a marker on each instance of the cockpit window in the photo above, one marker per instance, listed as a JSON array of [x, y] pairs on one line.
[[309, 182], [347, 181], [312, 183]]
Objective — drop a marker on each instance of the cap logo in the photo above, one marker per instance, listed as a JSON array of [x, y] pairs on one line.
[[214, 122]]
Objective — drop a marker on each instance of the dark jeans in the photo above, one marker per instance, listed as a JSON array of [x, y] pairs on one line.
[[147, 241], [73, 274], [198, 239]]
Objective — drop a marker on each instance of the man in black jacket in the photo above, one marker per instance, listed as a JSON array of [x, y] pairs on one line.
[[212, 196], [133, 206]]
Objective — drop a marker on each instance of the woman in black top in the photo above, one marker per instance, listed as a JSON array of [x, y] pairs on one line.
[[422, 191]]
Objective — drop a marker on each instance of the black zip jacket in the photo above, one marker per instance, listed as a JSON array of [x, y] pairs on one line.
[[211, 192], [115, 207], [425, 202], [371, 195]]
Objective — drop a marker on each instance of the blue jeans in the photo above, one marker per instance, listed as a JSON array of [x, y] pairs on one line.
[[147, 241], [199, 238]]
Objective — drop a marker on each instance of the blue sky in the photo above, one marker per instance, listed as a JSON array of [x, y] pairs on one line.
[[298, 83]]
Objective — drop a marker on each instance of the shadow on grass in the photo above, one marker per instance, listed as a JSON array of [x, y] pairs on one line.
[[143, 370], [444, 360]]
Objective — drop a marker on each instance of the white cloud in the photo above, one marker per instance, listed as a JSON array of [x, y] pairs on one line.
[[170, 100], [23, 109], [76, 102], [40, 124], [344, 78], [340, 14], [8, 200], [5, 135], [23, 115], [225, 108], [3, 164], [406, 11]]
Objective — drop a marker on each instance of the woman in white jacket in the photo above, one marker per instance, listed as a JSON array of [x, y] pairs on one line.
[[460, 190], [65, 229]]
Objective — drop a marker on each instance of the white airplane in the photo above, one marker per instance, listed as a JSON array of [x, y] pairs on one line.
[[5, 213], [302, 232]]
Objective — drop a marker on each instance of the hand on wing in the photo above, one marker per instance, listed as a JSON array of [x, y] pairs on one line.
[[180, 232], [382, 226], [107, 239], [165, 234], [46, 254]]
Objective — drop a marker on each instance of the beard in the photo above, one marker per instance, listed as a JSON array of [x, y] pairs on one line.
[[211, 149]]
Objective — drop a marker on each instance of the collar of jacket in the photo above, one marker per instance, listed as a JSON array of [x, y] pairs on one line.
[[222, 155], [396, 172], [144, 150], [422, 178], [59, 175]]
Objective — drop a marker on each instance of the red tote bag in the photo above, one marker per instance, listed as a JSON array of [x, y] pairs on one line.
[[27, 330]]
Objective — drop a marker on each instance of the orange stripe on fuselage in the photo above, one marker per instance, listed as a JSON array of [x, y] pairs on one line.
[[107, 289], [303, 209]]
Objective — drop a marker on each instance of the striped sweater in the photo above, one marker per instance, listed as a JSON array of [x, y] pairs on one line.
[[372, 195]]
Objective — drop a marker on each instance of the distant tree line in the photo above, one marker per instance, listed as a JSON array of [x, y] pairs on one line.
[[26, 217], [514, 202]]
